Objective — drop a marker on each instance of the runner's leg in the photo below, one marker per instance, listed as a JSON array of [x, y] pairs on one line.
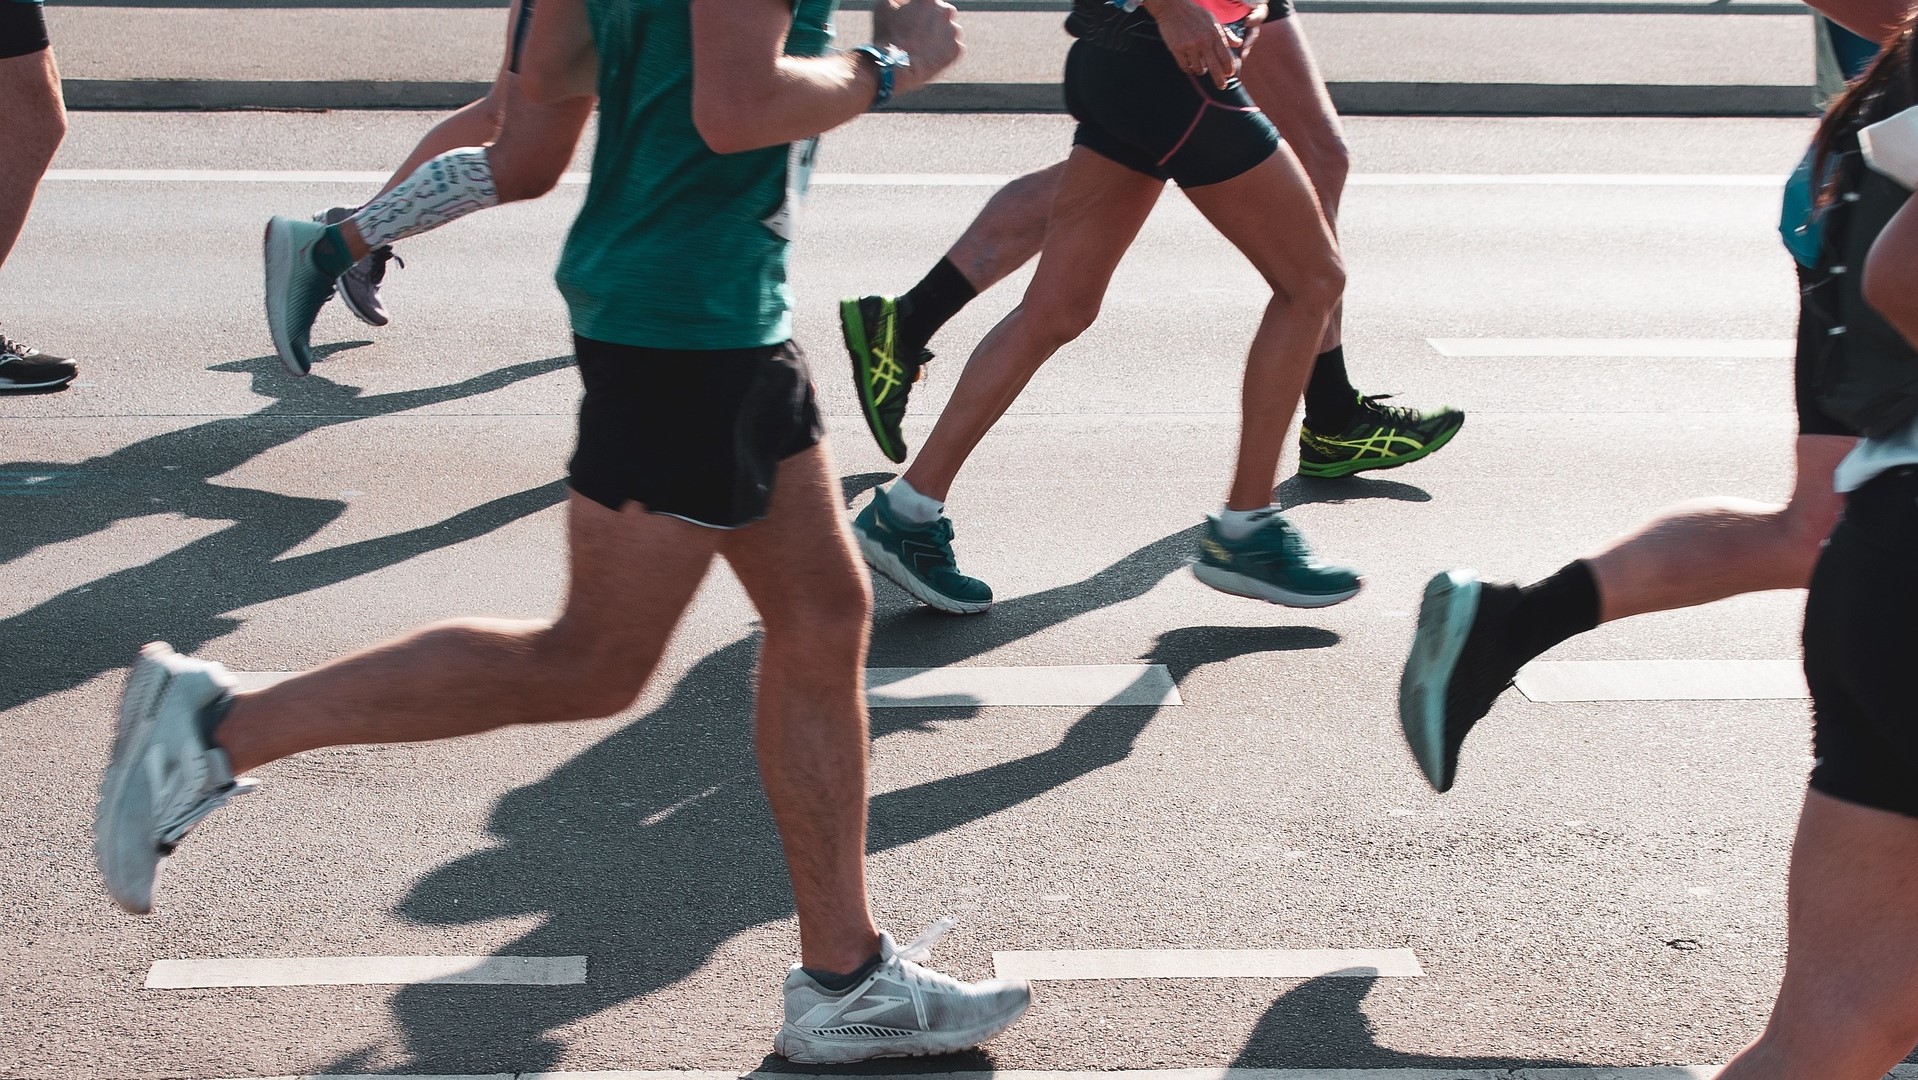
[[463, 677], [799, 568], [32, 126]]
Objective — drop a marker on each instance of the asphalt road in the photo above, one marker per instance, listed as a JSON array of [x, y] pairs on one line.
[[1605, 886]]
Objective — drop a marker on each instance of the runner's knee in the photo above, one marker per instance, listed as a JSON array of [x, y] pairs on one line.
[[834, 612], [1059, 320]]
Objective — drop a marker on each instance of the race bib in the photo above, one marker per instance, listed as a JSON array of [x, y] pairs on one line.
[[1891, 147], [800, 157]]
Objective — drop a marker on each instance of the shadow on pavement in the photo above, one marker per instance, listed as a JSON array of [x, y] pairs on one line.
[[1306, 490], [183, 596], [656, 845], [1320, 1025]]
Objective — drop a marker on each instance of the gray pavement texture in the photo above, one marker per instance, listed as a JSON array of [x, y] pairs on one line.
[[1376, 61], [1605, 887]]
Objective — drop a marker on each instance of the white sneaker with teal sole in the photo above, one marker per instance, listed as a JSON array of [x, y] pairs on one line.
[[295, 289], [164, 775], [900, 1010]]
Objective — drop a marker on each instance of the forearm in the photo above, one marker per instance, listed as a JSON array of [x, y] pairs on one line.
[[798, 99], [1874, 20], [1891, 273]]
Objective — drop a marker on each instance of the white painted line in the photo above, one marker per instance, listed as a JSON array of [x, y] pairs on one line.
[[1663, 680], [369, 970], [341, 176], [1097, 684], [1639, 1072], [1766, 348], [1082, 964]]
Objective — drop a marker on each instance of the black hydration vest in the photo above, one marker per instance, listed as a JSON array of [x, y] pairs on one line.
[[1866, 373]]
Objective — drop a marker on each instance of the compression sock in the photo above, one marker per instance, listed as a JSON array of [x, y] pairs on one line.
[[1330, 398], [837, 983], [1556, 609], [330, 253], [444, 189], [929, 305], [905, 502]]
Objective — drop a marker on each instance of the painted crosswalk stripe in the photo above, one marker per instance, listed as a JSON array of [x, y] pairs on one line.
[[368, 970], [1078, 686], [1090, 964], [1663, 680], [1600, 1072], [990, 180], [1705, 348]]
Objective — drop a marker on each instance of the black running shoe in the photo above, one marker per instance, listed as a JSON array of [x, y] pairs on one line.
[[23, 367], [883, 378], [1458, 667], [1377, 437]]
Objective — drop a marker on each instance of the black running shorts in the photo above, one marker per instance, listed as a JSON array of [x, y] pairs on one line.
[[516, 34], [1861, 634], [23, 28], [1813, 330], [1137, 108], [697, 435]]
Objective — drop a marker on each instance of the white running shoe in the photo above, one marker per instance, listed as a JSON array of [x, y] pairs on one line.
[[900, 1010], [164, 775]]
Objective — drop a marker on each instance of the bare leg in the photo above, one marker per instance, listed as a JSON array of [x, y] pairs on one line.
[[1009, 229], [1098, 211], [1270, 215], [802, 573], [1848, 1008], [1284, 81], [1713, 548], [474, 675], [32, 125]]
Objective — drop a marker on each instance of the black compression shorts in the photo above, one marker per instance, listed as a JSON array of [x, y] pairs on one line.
[[697, 435], [23, 28], [1137, 108], [1813, 330], [1861, 633]]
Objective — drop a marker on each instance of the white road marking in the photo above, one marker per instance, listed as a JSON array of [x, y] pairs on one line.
[[344, 176], [1642, 1072], [927, 688], [1096, 684], [1083, 964], [369, 970], [1767, 348], [1663, 680]]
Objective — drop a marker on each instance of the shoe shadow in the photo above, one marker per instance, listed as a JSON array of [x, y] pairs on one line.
[[1321, 1025], [185, 596], [655, 846], [1306, 490]]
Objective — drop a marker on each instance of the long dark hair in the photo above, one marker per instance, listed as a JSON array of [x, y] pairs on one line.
[[1888, 86]]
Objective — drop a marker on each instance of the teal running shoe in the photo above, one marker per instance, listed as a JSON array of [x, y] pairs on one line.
[[296, 289], [918, 558], [1458, 666], [1272, 564], [882, 377]]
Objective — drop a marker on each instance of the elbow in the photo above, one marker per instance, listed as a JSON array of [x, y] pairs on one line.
[[1891, 288]]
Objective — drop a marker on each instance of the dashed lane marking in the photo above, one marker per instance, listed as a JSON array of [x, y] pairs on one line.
[[1091, 964], [368, 970], [340, 176], [1707, 348], [1663, 680]]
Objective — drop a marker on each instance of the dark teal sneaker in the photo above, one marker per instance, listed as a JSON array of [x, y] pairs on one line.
[[918, 558], [295, 289], [882, 377], [1271, 564], [1378, 437], [1457, 668]]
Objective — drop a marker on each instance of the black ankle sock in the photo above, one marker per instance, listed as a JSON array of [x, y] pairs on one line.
[[836, 982], [940, 295], [213, 715], [1551, 611], [1329, 396]]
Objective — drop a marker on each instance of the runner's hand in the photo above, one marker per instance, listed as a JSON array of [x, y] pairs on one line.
[[1197, 41], [1252, 24], [928, 30]]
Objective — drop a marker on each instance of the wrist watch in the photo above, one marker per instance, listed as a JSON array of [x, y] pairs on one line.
[[886, 60]]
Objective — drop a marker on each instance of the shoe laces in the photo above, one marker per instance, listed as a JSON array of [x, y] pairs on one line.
[[10, 347], [381, 256], [1391, 414], [919, 949]]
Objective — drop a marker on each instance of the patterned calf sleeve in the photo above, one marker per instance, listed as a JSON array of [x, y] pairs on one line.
[[444, 189]]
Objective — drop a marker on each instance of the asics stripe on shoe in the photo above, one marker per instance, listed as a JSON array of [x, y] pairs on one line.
[[1377, 437]]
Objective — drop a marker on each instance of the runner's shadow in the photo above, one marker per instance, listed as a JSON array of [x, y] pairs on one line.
[[1321, 1025], [185, 596], [655, 846], [1306, 490]]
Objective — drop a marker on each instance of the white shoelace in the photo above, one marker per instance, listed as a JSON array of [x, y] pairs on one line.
[[919, 949]]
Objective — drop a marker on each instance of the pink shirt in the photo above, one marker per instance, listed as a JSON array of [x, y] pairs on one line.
[[1226, 11]]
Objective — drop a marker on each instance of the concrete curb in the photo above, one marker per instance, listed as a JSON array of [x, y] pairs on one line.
[[1351, 98]]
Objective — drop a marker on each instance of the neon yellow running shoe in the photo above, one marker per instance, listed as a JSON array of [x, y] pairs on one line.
[[1378, 437], [883, 378]]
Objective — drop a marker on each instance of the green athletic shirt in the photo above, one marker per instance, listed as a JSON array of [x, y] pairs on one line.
[[678, 247]]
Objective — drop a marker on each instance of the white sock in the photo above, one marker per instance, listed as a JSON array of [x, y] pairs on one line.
[[444, 189], [1239, 524], [906, 502]]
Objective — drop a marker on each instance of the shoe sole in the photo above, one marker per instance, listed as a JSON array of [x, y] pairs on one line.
[[853, 329], [1445, 621], [278, 250], [1336, 469], [796, 1046], [146, 683], [888, 565], [15, 387], [1237, 584], [346, 298]]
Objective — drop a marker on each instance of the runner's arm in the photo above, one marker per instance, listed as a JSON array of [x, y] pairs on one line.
[[1874, 20], [1891, 272], [559, 61], [748, 94]]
